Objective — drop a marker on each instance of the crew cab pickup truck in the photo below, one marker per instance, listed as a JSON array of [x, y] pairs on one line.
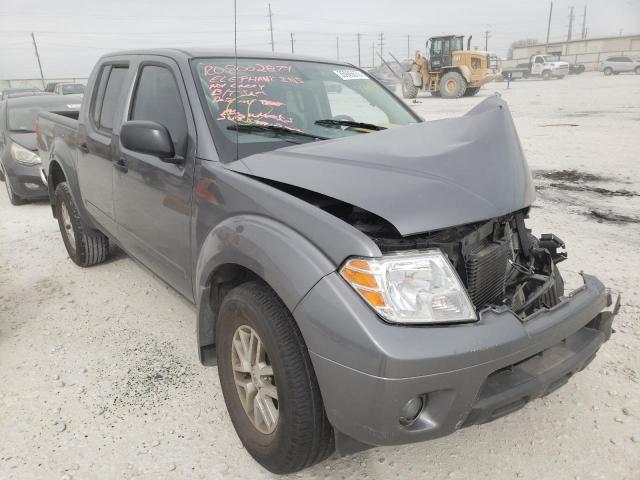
[[542, 66], [361, 277]]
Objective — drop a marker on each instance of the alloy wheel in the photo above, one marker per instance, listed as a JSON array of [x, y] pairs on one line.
[[254, 379]]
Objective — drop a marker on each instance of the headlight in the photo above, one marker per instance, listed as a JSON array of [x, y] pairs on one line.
[[24, 156], [415, 287]]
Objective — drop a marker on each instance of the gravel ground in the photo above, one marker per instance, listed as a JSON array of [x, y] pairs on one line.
[[99, 377]]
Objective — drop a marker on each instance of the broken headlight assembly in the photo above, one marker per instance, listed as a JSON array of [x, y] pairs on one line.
[[418, 287]]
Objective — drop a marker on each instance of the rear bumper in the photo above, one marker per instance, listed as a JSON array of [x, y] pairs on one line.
[[466, 374]]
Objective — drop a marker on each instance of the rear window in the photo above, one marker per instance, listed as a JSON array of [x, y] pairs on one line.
[[112, 92]]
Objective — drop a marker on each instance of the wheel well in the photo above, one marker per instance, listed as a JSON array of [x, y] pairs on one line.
[[56, 176], [221, 281]]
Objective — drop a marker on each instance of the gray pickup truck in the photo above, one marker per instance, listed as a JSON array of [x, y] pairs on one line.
[[361, 277]]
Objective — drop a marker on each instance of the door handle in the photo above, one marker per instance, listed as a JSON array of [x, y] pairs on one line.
[[121, 165], [84, 148]]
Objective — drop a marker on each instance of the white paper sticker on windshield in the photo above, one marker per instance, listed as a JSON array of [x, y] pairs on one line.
[[73, 105], [350, 74]]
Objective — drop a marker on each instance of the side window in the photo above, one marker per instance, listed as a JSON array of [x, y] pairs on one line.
[[539, 60], [112, 92], [157, 98], [625, 59], [98, 93]]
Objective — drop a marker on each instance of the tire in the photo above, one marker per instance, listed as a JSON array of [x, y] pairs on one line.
[[608, 71], [471, 91], [546, 75], [409, 90], [14, 198], [637, 70], [301, 434], [452, 85], [84, 245]]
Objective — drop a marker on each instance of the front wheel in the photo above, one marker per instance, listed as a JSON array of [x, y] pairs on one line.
[[608, 71], [546, 75], [268, 382], [85, 246], [637, 70], [452, 85]]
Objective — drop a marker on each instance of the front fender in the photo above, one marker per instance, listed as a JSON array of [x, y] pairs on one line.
[[465, 72], [289, 263]]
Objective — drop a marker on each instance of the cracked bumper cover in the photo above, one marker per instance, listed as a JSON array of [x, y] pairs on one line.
[[469, 374]]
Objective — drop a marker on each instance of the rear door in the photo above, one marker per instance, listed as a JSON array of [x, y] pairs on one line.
[[97, 146], [153, 198]]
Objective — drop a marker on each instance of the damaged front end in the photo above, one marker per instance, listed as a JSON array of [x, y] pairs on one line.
[[500, 262]]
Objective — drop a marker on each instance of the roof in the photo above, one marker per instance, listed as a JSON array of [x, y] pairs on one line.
[[189, 53]]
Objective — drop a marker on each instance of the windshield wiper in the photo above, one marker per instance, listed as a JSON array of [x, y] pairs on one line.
[[330, 122], [275, 129], [21, 130]]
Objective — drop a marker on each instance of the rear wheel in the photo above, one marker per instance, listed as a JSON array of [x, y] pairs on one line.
[[471, 91], [85, 246], [452, 85], [409, 90], [546, 75], [637, 70], [608, 71], [268, 382]]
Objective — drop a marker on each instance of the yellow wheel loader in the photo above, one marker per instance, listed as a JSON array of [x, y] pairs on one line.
[[450, 71]]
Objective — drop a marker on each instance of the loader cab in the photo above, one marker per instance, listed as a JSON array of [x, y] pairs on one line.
[[440, 49]]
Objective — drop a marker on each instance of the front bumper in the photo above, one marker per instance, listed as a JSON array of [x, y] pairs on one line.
[[468, 374], [25, 180]]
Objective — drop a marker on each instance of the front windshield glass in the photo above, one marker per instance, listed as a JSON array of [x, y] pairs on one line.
[[71, 89], [316, 99], [549, 58]]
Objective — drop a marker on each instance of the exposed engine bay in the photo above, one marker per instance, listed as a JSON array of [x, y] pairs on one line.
[[500, 262]]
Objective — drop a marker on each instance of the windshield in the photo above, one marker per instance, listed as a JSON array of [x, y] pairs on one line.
[[549, 58], [70, 89], [22, 119], [293, 95]]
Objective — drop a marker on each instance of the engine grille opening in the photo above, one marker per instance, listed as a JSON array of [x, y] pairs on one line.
[[487, 272]]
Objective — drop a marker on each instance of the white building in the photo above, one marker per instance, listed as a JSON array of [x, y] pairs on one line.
[[588, 52]]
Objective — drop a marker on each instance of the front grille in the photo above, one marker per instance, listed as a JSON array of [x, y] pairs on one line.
[[487, 272]]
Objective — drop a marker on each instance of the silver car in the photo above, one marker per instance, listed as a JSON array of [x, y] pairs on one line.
[[619, 64]]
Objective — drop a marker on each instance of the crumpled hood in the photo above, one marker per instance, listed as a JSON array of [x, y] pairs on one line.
[[421, 177]]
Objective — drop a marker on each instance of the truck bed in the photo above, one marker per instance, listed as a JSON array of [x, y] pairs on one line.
[[56, 127]]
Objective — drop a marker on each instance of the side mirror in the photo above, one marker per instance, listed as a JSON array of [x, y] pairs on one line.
[[148, 137]]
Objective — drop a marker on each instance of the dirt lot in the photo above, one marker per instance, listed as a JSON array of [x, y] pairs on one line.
[[99, 377]]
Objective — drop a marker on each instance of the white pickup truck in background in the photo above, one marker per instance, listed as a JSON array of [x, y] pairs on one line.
[[543, 66]]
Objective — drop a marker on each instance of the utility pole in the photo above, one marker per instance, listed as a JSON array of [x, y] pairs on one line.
[[359, 50], [546, 47], [338, 48], [584, 23], [35, 46], [381, 43], [408, 46], [292, 50], [273, 45], [570, 24], [486, 40]]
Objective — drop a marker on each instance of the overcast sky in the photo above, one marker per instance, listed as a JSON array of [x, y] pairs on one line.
[[72, 34]]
